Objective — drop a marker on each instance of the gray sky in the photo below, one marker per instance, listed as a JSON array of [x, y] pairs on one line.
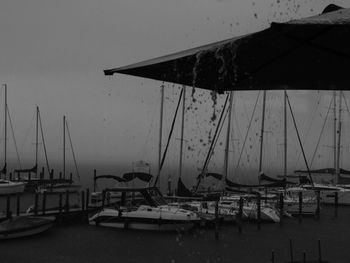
[[53, 54]]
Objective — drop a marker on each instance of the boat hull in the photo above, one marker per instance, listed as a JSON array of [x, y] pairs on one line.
[[147, 218], [26, 226], [147, 226], [11, 188], [328, 197]]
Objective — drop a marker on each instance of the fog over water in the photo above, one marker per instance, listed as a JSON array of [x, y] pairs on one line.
[[53, 54]]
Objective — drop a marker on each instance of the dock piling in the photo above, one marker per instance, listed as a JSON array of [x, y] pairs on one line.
[[36, 201], [291, 250], [67, 201], [87, 198], [60, 204], [18, 204], [319, 251], [318, 209], [272, 256], [82, 200], [103, 198], [240, 215], [8, 206], [300, 194], [44, 203], [335, 204], [258, 201], [217, 220], [281, 207]]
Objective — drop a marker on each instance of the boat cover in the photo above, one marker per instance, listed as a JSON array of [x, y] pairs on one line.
[[146, 177]]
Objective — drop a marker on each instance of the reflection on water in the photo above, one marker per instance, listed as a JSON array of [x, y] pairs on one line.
[[82, 243]]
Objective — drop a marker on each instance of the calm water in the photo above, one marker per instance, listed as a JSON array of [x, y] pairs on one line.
[[83, 243]]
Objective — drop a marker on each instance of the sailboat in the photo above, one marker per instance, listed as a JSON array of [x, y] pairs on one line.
[[337, 178], [149, 211], [7, 186], [63, 187]]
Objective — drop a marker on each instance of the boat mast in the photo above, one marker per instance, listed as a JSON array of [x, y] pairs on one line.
[[160, 132], [64, 146], [37, 139], [5, 154], [182, 129], [227, 147], [262, 132], [339, 137], [335, 133], [285, 135]]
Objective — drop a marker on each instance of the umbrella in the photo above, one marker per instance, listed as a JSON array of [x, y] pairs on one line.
[[309, 53]]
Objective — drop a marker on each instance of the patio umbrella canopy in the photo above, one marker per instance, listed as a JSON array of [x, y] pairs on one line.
[[311, 53]]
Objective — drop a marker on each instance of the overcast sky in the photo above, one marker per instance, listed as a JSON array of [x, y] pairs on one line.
[[53, 54]]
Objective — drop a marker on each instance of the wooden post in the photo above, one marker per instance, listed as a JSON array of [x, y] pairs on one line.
[[42, 172], [304, 256], [319, 251], [240, 215], [273, 256], [217, 220], [44, 203], [94, 180], [258, 203], [18, 176], [10, 176], [60, 203], [29, 176], [82, 200], [318, 209], [8, 206], [281, 207], [18, 206], [60, 175], [103, 198], [87, 198], [51, 175], [300, 205], [70, 178], [335, 204], [291, 250], [67, 201], [36, 201]]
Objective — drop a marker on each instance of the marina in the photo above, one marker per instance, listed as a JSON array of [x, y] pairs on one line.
[[230, 149]]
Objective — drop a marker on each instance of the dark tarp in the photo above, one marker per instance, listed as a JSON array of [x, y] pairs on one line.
[[182, 190], [30, 170], [264, 177], [214, 175], [142, 176], [320, 172], [324, 171], [4, 169], [109, 176], [308, 53], [343, 180], [236, 185]]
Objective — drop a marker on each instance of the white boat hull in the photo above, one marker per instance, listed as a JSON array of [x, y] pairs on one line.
[[9, 187], [162, 218]]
